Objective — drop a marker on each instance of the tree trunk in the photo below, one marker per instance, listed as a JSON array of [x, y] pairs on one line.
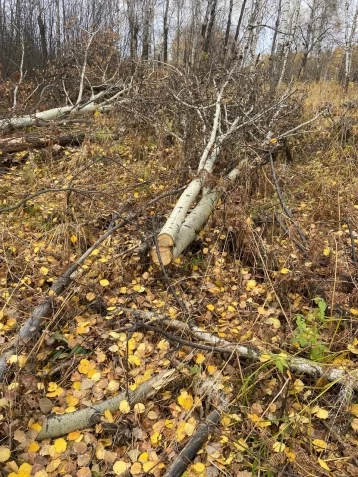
[[227, 33], [146, 30], [209, 28], [194, 445], [291, 31], [42, 29], [349, 37], [181, 229], [308, 39], [50, 115], [165, 32], [237, 32], [133, 29], [347, 376]]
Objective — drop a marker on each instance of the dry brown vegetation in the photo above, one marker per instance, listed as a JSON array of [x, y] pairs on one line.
[[282, 286]]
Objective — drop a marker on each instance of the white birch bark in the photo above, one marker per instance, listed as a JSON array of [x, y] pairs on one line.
[[349, 34], [170, 230], [49, 115], [293, 23], [64, 111], [344, 375], [198, 218]]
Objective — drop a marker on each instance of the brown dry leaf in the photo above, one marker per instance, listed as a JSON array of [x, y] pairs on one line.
[[53, 465], [84, 472], [136, 468], [5, 454]]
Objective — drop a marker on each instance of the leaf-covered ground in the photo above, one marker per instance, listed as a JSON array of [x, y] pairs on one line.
[[245, 279]]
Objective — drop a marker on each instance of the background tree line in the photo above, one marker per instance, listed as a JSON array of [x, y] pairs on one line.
[[308, 40]]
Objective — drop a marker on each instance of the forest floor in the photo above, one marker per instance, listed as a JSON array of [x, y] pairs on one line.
[[245, 279]]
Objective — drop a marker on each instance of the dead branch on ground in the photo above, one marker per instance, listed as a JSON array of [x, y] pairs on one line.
[[346, 376], [59, 425]]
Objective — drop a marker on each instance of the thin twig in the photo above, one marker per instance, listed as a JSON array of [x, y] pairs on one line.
[[354, 255], [282, 202], [294, 240], [48, 191], [176, 339]]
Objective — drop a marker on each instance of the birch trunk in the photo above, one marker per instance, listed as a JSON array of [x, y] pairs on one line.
[[350, 31], [198, 218], [292, 31], [50, 115], [344, 375], [179, 233], [59, 425]]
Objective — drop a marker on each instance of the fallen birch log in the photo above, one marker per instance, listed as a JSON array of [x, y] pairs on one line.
[[30, 141], [59, 425], [34, 323], [193, 446], [186, 231], [50, 115], [167, 238], [344, 375]]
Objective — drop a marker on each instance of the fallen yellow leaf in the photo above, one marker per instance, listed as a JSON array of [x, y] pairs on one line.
[[185, 400], [60, 445], [319, 444], [198, 468], [33, 447], [279, 446], [323, 464], [200, 358], [124, 407], [120, 467], [5, 453]]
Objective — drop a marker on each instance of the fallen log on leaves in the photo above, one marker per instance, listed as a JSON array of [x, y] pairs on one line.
[[168, 248], [10, 145], [195, 443], [33, 324], [344, 376], [59, 425], [44, 117]]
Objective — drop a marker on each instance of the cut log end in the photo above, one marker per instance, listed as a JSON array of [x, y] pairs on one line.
[[165, 240], [166, 254]]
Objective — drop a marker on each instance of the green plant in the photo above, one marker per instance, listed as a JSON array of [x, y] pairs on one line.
[[307, 334]]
